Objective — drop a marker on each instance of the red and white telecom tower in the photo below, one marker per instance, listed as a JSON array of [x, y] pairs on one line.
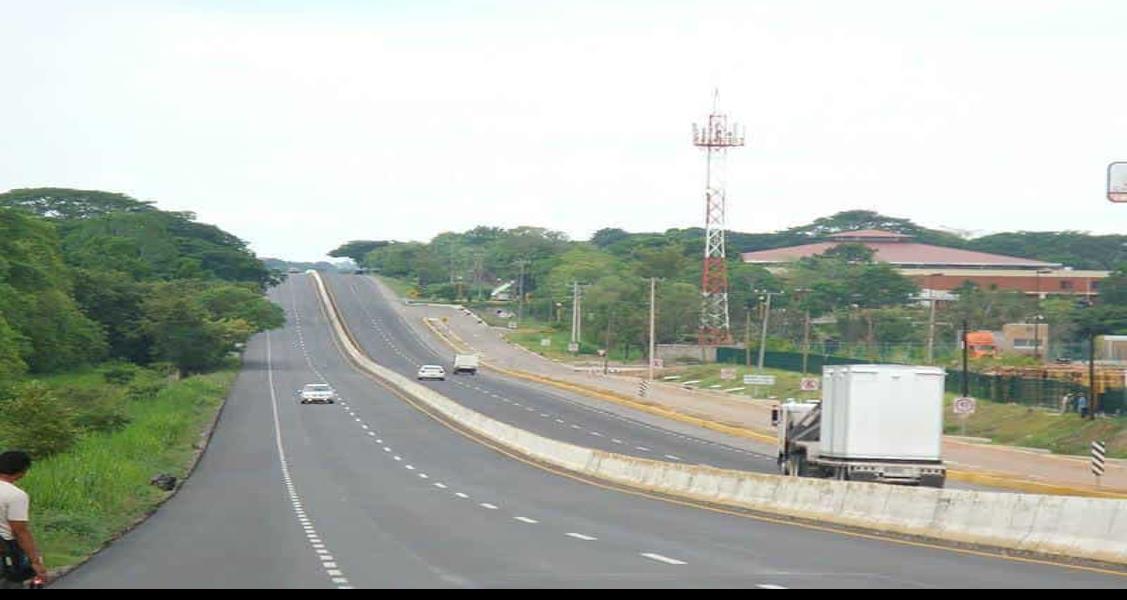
[[715, 137]]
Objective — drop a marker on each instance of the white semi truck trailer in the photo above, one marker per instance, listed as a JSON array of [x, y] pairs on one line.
[[881, 423]]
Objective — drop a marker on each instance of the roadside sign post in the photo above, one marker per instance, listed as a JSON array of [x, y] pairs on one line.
[[808, 384], [964, 407], [758, 380], [1099, 452]]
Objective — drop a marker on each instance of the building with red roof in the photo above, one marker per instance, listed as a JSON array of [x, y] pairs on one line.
[[941, 268]]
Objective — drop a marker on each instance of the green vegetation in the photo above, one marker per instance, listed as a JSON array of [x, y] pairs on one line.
[[94, 278], [87, 275], [100, 484], [858, 307], [1017, 425], [706, 376]]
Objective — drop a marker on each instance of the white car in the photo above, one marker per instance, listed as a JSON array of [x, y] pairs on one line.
[[317, 393], [432, 372]]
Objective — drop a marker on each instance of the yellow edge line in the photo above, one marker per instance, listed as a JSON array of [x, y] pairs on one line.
[[633, 491]]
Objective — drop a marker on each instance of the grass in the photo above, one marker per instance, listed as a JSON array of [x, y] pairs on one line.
[[1017, 425], [87, 495], [401, 287], [786, 382]]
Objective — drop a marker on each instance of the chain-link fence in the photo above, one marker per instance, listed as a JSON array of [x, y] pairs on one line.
[[1041, 392]]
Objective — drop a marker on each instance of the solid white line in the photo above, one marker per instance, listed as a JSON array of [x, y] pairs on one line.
[[526, 520], [580, 536], [769, 586], [664, 559]]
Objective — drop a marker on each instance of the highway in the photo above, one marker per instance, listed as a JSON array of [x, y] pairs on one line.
[[374, 492], [541, 409]]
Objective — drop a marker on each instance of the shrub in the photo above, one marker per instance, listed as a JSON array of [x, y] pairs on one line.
[[35, 420]]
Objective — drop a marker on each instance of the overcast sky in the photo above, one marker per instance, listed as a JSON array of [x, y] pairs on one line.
[[300, 125]]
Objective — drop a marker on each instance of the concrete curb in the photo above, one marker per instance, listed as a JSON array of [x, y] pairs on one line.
[[1073, 527]]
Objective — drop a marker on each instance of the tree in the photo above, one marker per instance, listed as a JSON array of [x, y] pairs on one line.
[[193, 325], [68, 204], [1113, 290], [1072, 248], [607, 236], [852, 252], [357, 249]]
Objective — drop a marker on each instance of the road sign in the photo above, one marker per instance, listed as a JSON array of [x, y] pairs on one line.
[[1099, 451], [727, 373], [545, 342], [1117, 182], [759, 380], [573, 347], [964, 405], [808, 384]]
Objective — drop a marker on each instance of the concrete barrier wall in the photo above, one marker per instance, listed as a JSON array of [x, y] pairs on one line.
[[1092, 528]]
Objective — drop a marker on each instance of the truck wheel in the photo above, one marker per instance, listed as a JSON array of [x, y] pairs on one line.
[[796, 465]]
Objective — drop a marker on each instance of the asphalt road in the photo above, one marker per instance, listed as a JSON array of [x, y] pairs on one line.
[[373, 492]]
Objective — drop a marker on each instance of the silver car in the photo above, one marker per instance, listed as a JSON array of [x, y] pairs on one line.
[[317, 393], [432, 372]]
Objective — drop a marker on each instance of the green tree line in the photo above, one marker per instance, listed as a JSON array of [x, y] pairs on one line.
[[90, 276], [851, 297]]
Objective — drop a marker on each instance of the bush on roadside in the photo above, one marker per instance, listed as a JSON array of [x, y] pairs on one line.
[[120, 374], [98, 409], [35, 420]]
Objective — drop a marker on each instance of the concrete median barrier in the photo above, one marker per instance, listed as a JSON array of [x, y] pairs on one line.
[[1066, 526]]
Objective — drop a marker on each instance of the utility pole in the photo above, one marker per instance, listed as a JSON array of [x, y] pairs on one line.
[[520, 288], [931, 320], [653, 320], [576, 315], [747, 336], [966, 382], [805, 341], [763, 333]]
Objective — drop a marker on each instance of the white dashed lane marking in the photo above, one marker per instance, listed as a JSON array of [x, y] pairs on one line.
[[580, 536], [526, 520], [664, 559]]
